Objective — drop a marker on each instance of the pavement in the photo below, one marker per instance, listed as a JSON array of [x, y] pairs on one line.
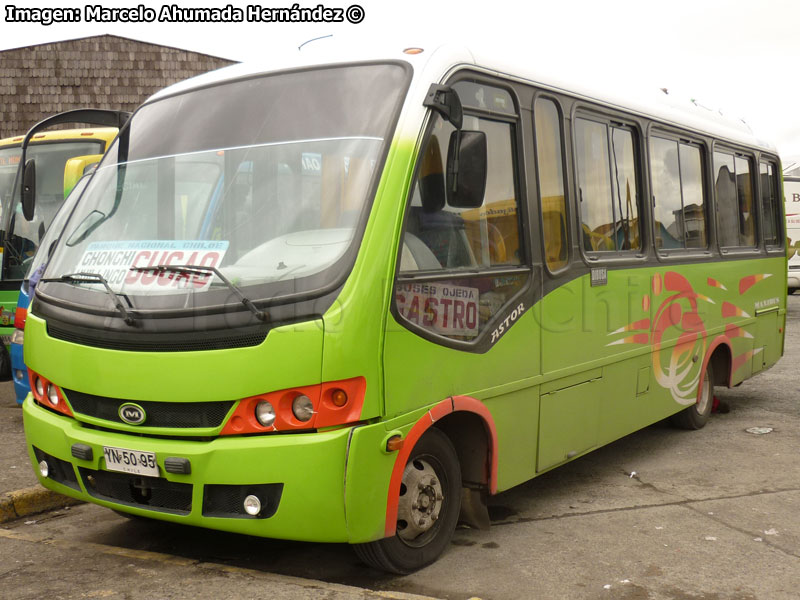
[[21, 495]]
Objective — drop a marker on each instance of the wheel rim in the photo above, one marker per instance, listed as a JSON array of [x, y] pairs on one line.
[[704, 401], [420, 504]]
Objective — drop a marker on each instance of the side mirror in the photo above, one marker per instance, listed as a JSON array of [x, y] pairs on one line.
[[466, 169], [29, 189], [75, 168]]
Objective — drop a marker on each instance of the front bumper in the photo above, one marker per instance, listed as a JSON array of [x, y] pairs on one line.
[[303, 475]]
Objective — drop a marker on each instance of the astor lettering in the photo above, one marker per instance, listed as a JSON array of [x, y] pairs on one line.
[[505, 325]]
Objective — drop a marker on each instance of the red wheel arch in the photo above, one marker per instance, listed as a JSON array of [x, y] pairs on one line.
[[436, 413], [721, 340]]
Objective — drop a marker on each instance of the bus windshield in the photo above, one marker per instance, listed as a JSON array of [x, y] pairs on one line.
[[269, 193]]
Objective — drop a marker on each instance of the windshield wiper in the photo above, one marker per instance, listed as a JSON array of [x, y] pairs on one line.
[[261, 315], [95, 278]]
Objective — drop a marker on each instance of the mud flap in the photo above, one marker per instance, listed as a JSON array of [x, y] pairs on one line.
[[474, 511]]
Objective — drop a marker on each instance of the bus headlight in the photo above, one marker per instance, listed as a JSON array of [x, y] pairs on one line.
[[265, 414], [39, 385], [18, 337], [303, 408]]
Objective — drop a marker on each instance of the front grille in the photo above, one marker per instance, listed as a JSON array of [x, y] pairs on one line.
[[228, 500], [794, 267], [159, 414], [58, 470], [158, 342], [154, 493]]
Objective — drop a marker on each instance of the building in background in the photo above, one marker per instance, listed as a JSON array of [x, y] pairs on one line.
[[104, 71]]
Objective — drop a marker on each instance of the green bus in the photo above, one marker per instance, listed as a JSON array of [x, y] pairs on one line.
[[348, 300]]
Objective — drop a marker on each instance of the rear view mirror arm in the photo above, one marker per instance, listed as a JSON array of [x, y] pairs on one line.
[[444, 100]]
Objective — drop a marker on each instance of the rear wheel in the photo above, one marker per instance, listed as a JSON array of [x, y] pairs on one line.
[[427, 510], [696, 415]]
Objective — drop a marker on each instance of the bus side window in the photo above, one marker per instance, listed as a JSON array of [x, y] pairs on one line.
[[550, 165], [679, 204], [607, 163], [770, 207], [439, 238], [735, 206]]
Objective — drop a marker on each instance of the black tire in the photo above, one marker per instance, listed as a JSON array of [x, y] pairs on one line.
[[417, 545], [697, 415], [5, 364]]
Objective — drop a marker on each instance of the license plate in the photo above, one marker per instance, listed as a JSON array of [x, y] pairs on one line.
[[135, 462]]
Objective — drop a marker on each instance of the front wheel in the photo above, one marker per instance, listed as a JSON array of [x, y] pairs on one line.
[[696, 415], [427, 510]]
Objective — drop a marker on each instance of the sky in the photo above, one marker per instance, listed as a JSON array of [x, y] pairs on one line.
[[730, 55]]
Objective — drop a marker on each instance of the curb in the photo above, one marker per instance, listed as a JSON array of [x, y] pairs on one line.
[[32, 500]]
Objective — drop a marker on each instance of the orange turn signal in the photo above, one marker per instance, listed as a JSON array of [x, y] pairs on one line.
[[339, 398], [395, 443]]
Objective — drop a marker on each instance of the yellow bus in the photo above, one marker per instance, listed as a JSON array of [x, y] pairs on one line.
[[19, 238]]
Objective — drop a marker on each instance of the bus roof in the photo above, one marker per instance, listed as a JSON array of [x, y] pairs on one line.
[[435, 63], [104, 133]]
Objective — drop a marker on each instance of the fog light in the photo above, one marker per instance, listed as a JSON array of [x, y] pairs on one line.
[[252, 505], [339, 398], [39, 386], [303, 408], [19, 375], [265, 414], [52, 394], [44, 469]]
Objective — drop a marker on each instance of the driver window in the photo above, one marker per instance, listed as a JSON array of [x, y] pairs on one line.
[[439, 238]]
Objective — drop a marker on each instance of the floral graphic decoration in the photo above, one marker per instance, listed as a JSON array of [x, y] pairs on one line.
[[677, 332]]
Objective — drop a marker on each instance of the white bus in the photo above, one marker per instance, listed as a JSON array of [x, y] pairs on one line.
[[791, 196]]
